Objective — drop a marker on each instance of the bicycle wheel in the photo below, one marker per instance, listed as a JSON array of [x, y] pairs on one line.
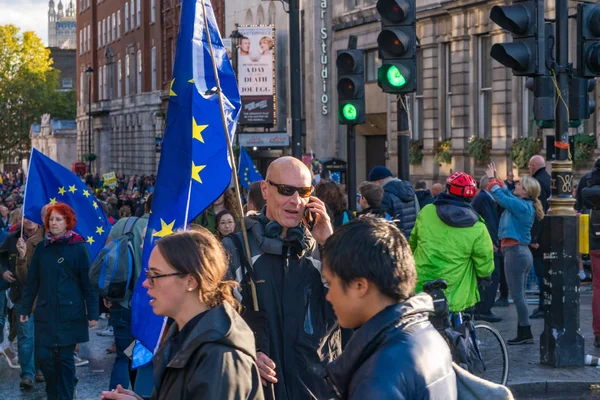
[[494, 354]]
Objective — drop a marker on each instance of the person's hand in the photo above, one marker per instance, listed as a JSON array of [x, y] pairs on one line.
[[495, 249], [534, 246], [21, 248], [9, 277], [24, 318], [107, 303], [92, 324], [490, 170], [322, 228], [266, 367], [120, 394]]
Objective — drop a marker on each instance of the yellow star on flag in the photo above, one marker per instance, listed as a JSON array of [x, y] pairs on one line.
[[62, 191], [165, 229], [171, 92], [72, 189], [99, 230], [52, 200], [95, 205], [197, 130], [86, 193], [196, 172], [191, 81], [90, 240]]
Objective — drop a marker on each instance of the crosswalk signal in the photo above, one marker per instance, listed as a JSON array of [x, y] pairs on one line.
[[397, 45], [588, 40], [524, 19], [351, 87], [581, 105]]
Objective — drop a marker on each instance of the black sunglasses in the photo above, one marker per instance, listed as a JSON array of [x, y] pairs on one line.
[[287, 190]]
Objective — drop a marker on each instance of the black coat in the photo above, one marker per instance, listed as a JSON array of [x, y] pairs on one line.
[[487, 208], [398, 355], [216, 361], [64, 305], [303, 331], [424, 197], [538, 228], [400, 201]]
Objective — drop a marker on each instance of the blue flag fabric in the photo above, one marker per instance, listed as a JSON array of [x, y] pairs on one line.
[[247, 171], [194, 168], [48, 182]]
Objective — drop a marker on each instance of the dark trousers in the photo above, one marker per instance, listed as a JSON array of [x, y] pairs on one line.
[[58, 367], [538, 267], [122, 374], [487, 294], [503, 284]]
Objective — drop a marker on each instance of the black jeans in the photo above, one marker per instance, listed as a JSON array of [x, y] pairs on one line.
[[122, 374], [487, 294], [58, 367]]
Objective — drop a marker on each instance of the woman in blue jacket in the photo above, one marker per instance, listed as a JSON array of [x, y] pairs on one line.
[[520, 210], [66, 302]]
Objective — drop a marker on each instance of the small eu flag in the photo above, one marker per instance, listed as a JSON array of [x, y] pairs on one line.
[[48, 182], [247, 171], [194, 167]]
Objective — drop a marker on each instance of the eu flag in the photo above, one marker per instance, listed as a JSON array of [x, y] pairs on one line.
[[247, 171], [194, 168], [49, 182]]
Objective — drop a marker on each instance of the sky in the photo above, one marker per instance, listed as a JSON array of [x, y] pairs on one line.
[[29, 15]]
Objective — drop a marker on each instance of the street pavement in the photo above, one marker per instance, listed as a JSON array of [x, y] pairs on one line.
[[93, 378], [527, 377]]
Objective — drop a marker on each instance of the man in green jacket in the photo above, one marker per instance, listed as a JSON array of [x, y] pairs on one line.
[[450, 242]]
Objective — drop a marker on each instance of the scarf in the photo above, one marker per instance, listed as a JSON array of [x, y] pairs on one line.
[[63, 238]]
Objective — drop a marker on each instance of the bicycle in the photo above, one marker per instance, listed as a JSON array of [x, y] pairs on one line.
[[487, 357]]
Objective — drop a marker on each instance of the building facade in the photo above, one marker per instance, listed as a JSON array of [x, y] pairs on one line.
[[62, 25], [56, 139], [65, 60], [130, 47]]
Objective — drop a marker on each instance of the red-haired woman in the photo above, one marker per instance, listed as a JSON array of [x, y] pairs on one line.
[[66, 302]]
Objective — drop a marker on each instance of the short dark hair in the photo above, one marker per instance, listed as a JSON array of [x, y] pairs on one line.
[[255, 195], [374, 249], [421, 185], [372, 192]]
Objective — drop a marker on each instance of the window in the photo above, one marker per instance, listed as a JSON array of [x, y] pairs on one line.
[[104, 83], [485, 87], [372, 63], [118, 24], [133, 14], [114, 27], [139, 71], [67, 83], [100, 88], [447, 132], [152, 11], [81, 86], [126, 17], [89, 37], [99, 34], [417, 121], [153, 62], [119, 78], [127, 75], [108, 31], [80, 42], [139, 13], [104, 32]]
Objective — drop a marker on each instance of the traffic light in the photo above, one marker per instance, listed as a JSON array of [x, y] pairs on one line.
[[397, 45], [543, 100], [581, 106], [524, 19], [351, 87], [588, 40]]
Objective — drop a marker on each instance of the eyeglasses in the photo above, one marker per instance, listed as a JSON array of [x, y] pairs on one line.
[[151, 277], [287, 190]]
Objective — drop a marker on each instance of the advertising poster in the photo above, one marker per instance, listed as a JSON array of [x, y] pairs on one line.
[[256, 75]]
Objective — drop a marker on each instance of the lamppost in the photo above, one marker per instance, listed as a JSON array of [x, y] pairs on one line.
[[235, 39], [9, 105], [89, 71], [21, 101]]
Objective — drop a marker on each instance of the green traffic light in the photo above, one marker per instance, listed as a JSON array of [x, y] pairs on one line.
[[349, 112], [395, 77]]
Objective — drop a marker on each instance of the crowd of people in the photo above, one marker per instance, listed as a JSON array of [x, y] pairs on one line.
[[322, 304]]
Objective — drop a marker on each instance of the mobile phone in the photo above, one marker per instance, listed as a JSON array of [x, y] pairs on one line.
[[310, 218]]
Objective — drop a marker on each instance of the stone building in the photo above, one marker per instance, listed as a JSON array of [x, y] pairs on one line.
[[56, 139], [130, 46], [65, 60], [61, 25]]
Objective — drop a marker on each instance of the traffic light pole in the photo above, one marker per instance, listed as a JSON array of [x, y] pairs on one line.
[[403, 140], [351, 166], [295, 79], [561, 343]]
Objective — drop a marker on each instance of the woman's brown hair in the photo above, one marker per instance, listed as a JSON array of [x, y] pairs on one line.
[[199, 254]]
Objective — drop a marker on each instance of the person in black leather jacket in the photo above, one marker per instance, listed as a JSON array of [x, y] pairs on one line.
[[395, 352]]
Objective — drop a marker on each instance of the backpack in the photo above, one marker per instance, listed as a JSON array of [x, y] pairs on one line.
[[112, 270]]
